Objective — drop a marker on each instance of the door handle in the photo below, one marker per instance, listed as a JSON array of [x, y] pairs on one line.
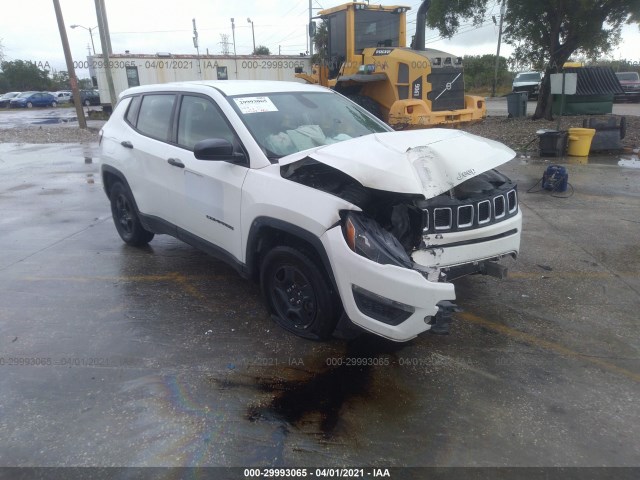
[[175, 162], [126, 144]]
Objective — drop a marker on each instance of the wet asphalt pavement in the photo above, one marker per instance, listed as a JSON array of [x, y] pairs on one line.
[[163, 356]]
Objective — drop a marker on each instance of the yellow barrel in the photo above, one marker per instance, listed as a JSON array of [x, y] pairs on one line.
[[580, 141]]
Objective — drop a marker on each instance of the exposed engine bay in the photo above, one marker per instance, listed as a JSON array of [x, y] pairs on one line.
[[479, 201]]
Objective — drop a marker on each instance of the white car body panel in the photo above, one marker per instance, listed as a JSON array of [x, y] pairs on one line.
[[396, 283], [426, 162], [267, 194]]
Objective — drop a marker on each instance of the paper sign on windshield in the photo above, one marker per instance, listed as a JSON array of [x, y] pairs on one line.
[[255, 105]]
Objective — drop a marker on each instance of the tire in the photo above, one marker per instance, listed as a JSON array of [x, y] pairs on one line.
[[87, 103], [126, 218], [54, 104], [298, 294], [29, 105], [368, 103]]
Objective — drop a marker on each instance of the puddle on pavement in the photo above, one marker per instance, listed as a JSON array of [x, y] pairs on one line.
[[632, 162], [53, 120]]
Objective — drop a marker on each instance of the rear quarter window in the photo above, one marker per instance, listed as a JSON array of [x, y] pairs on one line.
[[132, 112]]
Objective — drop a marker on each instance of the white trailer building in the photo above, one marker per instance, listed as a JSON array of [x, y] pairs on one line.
[[129, 70]]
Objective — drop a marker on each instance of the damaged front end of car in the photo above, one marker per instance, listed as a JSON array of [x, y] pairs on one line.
[[435, 212]]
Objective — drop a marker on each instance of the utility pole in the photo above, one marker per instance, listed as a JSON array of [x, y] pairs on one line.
[[235, 56], [254, 35], [72, 73], [106, 48], [195, 44], [495, 73], [309, 32]]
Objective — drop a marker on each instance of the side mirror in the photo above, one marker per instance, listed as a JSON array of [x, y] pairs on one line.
[[217, 149]]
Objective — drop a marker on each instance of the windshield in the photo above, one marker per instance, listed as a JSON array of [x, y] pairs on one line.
[[527, 77], [627, 76], [286, 123], [376, 29]]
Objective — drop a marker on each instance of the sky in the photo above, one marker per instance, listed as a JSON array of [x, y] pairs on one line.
[[151, 26]]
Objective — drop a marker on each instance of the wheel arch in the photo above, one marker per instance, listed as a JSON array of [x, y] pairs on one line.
[[266, 233], [110, 176]]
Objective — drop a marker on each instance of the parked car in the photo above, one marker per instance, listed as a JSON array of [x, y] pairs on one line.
[[630, 83], [62, 96], [33, 99], [6, 98], [302, 190], [527, 82], [88, 97]]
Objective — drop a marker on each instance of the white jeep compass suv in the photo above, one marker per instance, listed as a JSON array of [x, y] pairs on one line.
[[333, 212]]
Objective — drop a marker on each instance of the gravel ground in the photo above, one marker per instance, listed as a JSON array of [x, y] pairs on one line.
[[62, 133], [520, 133], [517, 133]]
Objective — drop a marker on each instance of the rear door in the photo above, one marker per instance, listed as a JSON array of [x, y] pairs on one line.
[[153, 180]]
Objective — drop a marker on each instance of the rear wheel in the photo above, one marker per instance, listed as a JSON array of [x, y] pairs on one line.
[[87, 103], [54, 104], [298, 294], [126, 219]]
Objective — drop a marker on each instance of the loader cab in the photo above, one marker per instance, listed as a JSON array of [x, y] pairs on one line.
[[352, 27]]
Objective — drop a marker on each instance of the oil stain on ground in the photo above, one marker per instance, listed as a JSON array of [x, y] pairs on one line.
[[322, 395]]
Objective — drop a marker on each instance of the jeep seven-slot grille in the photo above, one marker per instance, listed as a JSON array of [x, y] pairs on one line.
[[465, 215]]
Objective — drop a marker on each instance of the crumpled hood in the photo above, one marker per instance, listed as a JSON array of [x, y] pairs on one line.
[[427, 162]]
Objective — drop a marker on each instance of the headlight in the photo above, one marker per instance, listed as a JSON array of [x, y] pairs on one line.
[[365, 237]]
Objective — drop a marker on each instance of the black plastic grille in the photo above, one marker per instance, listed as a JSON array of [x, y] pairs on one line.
[[447, 88], [466, 215]]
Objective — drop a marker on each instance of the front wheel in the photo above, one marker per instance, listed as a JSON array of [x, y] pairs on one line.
[[298, 294], [87, 103], [29, 105], [126, 219]]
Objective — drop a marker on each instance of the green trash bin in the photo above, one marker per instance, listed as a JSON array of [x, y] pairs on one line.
[[517, 104]]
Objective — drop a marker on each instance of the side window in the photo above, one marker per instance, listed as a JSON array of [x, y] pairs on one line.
[[132, 111], [199, 119], [133, 80], [155, 115]]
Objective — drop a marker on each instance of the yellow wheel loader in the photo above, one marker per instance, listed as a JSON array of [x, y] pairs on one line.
[[368, 61]]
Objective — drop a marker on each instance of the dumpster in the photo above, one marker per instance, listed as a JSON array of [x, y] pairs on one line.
[[553, 143], [580, 141], [517, 104]]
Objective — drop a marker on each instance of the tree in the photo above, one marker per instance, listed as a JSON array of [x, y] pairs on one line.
[[23, 76], [545, 33], [60, 81], [480, 69], [321, 44], [261, 50]]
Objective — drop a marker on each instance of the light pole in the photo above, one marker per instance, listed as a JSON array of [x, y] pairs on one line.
[[235, 56], [254, 35], [90, 30]]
